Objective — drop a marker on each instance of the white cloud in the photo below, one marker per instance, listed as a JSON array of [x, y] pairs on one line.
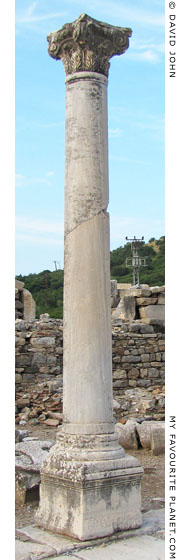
[[145, 51], [129, 13], [22, 181], [31, 8], [30, 17], [25, 224], [40, 232], [138, 45], [147, 56], [50, 173], [38, 240]]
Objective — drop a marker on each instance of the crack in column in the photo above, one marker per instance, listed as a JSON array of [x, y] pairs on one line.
[[103, 212]]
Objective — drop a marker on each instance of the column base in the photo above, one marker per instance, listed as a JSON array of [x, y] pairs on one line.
[[86, 499]]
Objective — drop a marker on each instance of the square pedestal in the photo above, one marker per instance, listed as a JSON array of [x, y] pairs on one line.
[[86, 501]]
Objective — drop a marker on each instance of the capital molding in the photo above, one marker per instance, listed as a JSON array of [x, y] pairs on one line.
[[87, 44]]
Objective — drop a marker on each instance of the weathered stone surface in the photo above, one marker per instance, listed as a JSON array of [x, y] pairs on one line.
[[161, 299], [119, 374], [157, 289], [146, 429], [157, 439], [43, 341], [133, 373], [146, 301], [52, 422], [38, 358], [82, 475], [152, 312], [77, 470], [130, 359], [19, 285], [29, 306], [88, 44], [18, 378], [114, 294], [123, 286], [20, 435], [29, 456], [143, 539], [126, 309], [138, 292], [127, 435], [20, 403], [20, 489]]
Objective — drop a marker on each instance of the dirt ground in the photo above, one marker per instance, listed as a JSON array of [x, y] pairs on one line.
[[153, 482]]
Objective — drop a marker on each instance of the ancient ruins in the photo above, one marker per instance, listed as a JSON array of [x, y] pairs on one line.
[[25, 307], [89, 486]]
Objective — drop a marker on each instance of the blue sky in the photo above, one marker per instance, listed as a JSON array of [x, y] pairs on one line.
[[136, 127]]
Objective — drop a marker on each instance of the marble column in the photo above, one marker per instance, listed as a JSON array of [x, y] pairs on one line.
[[89, 486]]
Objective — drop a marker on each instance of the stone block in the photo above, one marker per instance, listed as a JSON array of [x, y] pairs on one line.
[[161, 299], [158, 357], [143, 383], [29, 456], [146, 301], [51, 360], [123, 286], [153, 372], [52, 422], [143, 372], [133, 373], [20, 489], [157, 289], [38, 359], [18, 378], [157, 440], [138, 292], [20, 341], [145, 431], [23, 360], [19, 285], [119, 374], [144, 357], [152, 312], [131, 359], [21, 403], [132, 383], [146, 329], [29, 306], [126, 309], [120, 383], [114, 294], [127, 435], [44, 341], [28, 378]]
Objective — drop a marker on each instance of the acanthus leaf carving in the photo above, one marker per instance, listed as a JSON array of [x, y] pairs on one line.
[[88, 44]]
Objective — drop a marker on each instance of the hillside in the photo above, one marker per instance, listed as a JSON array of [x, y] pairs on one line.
[[47, 287], [153, 274]]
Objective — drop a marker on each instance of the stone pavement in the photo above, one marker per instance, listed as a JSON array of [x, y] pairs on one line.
[[146, 543]]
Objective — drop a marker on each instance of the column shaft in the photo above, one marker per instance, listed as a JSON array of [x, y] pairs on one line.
[[87, 312]]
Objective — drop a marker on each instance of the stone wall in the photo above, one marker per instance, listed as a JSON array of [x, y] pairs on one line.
[[39, 349], [137, 364], [143, 302]]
